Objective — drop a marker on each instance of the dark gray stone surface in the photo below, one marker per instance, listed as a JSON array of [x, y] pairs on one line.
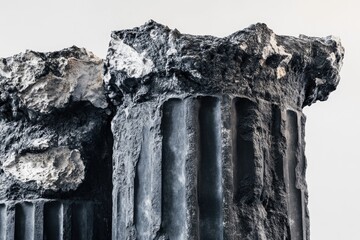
[[55, 134], [208, 132], [153, 60], [172, 136]]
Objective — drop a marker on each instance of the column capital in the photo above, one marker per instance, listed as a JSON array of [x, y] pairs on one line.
[[153, 60]]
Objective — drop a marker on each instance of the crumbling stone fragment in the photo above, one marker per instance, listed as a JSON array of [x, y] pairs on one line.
[[172, 136], [55, 146], [209, 132]]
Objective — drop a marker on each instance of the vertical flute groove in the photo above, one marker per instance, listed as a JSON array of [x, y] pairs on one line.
[[294, 194], [143, 188], [53, 218], [81, 221], [173, 169], [209, 172], [24, 221], [2, 222], [243, 148]]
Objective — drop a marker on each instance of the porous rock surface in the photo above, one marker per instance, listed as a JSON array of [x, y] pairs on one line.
[[57, 167], [209, 132], [55, 147], [52, 111], [205, 134], [154, 60]]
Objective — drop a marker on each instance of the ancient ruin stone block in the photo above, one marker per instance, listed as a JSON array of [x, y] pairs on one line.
[[55, 143], [208, 132], [172, 136]]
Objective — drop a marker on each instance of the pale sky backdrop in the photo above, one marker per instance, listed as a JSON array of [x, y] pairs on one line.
[[333, 127]]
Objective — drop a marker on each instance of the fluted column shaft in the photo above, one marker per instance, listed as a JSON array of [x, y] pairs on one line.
[[209, 132], [209, 167]]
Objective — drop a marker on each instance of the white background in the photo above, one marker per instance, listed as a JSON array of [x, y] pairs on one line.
[[333, 127]]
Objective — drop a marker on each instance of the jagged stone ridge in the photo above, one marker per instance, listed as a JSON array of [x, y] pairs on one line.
[[172, 136], [55, 146], [152, 59]]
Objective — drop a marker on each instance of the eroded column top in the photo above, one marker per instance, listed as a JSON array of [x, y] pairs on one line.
[[53, 110], [35, 84], [152, 60]]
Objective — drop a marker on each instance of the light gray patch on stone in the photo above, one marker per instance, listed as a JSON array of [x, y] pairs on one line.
[[48, 92], [89, 82], [81, 82], [58, 168], [41, 82], [127, 59]]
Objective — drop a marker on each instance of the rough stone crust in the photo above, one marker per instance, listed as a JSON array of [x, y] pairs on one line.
[[34, 83], [56, 169], [152, 59], [171, 90], [54, 123]]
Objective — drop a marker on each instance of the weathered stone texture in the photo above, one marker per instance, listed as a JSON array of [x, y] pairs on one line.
[[178, 136], [208, 132], [55, 136], [153, 60]]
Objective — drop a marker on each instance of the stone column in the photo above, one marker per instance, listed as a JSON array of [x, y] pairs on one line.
[[55, 147], [209, 132]]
